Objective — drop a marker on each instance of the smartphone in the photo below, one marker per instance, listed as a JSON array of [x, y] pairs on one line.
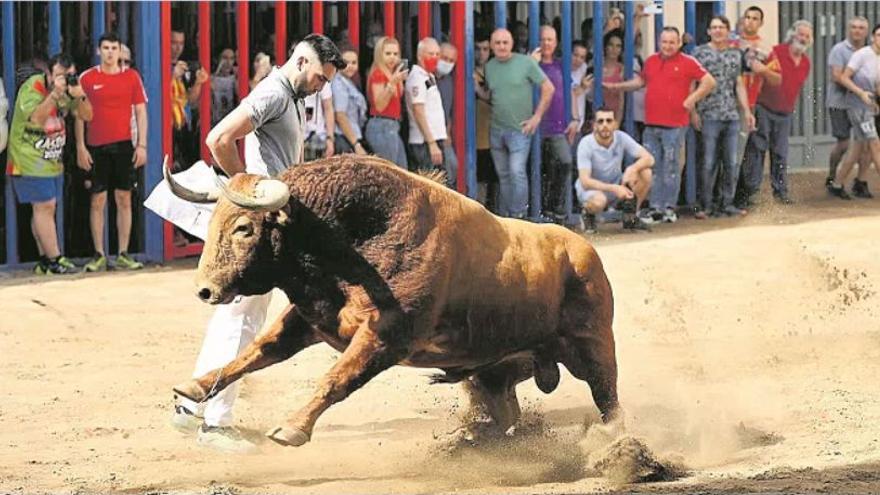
[[404, 64]]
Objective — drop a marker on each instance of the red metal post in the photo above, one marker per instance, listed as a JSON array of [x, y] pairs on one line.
[[354, 23], [280, 31], [459, 109], [318, 17], [424, 19], [205, 61], [167, 149], [389, 19], [244, 55]]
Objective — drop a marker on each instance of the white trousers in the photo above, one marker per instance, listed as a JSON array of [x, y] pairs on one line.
[[231, 329]]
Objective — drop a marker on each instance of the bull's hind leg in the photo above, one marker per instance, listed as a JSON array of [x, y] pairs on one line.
[[493, 392], [366, 356], [288, 335]]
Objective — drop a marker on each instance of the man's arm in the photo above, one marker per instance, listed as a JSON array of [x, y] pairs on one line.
[[634, 84], [589, 183], [83, 157], [707, 84], [41, 113], [772, 77], [82, 107], [529, 126], [742, 97], [196, 90], [329, 125], [222, 138], [140, 149], [846, 81], [345, 126], [422, 122]]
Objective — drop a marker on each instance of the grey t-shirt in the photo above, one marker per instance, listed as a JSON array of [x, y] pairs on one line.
[[276, 143], [348, 99], [605, 164], [726, 67], [838, 56], [865, 73]]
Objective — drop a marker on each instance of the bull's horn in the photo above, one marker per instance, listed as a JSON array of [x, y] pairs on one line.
[[268, 195], [185, 193]]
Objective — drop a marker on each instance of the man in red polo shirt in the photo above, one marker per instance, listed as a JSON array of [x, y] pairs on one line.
[[773, 115], [667, 77], [110, 157]]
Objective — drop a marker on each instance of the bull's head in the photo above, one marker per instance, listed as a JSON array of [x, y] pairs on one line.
[[244, 236]]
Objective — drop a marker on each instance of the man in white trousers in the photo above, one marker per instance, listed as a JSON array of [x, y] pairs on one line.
[[271, 121]]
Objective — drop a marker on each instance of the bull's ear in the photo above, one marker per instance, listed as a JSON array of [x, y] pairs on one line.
[[281, 217]]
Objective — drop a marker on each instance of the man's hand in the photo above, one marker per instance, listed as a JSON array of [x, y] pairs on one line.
[[331, 148], [76, 91], [180, 69], [436, 154], [202, 76], [689, 103], [622, 192], [60, 87], [571, 131], [536, 54], [751, 123], [139, 158], [530, 126], [83, 158], [867, 98], [359, 149], [696, 122]]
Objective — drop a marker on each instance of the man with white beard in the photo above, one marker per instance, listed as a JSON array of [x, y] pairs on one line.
[[774, 111]]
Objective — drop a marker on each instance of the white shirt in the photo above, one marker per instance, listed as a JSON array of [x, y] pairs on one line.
[[580, 103], [421, 87], [315, 109]]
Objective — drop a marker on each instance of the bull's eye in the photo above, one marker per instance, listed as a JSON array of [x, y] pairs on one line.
[[243, 228]]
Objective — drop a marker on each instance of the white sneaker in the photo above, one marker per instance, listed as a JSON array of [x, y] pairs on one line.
[[225, 439], [184, 420], [669, 216]]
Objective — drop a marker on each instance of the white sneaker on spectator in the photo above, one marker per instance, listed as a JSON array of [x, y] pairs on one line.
[[649, 216], [669, 216]]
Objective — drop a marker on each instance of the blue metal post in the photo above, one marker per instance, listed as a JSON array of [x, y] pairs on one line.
[[718, 7], [122, 21], [99, 26], [598, 53], [471, 117], [55, 47], [150, 61], [565, 15], [500, 13], [9, 80], [629, 58], [691, 161], [535, 182], [436, 25], [658, 25]]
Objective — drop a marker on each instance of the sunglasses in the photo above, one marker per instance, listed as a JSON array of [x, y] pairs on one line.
[[604, 121]]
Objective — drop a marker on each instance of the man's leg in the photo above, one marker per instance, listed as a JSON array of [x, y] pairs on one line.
[[642, 187], [96, 220], [501, 160], [519, 145], [781, 127], [711, 133], [840, 129], [43, 227], [450, 164], [652, 143], [753, 160], [730, 141], [671, 140], [562, 176], [123, 218]]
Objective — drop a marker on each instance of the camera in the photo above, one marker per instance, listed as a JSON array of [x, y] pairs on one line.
[[72, 79], [404, 64]]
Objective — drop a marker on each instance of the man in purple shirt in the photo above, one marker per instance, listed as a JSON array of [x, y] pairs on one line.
[[558, 131]]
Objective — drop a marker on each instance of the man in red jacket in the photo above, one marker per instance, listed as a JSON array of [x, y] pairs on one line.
[[773, 113]]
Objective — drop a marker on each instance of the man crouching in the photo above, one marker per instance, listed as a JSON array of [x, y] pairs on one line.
[[602, 180]]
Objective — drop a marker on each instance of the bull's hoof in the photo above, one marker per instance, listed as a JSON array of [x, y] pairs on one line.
[[288, 437], [191, 390]]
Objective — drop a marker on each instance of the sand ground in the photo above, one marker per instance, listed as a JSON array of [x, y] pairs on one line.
[[748, 352]]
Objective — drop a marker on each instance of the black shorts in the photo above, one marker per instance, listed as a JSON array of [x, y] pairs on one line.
[[112, 167], [840, 124]]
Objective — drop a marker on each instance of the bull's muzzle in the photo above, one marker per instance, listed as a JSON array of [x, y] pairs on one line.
[[212, 295]]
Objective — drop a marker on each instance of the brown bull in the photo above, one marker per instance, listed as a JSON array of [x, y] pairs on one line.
[[390, 268]]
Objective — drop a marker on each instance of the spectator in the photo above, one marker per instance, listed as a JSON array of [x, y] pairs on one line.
[[612, 72], [270, 119], [487, 179], [36, 143], [520, 37], [106, 150], [614, 22], [602, 179], [667, 77], [448, 58], [579, 81], [510, 78], [384, 90], [717, 119], [861, 77], [755, 54], [224, 89], [350, 107], [262, 67], [427, 123], [773, 114], [836, 102], [4, 107], [558, 131], [320, 123], [638, 99], [187, 80]]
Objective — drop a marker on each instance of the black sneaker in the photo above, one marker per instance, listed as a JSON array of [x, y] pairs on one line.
[[589, 223], [860, 189], [635, 224], [783, 199], [840, 192], [829, 181]]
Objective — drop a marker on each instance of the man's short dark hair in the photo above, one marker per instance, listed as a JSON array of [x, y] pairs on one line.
[[327, 51], [481, 35], [109, 36], [62, 59], [723, 18], [671, 29], [605, 109], [578, 44], [876, 27], [757, 9]]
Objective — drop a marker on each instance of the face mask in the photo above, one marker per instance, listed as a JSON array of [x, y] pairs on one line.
[[430, 64], [444, 67]]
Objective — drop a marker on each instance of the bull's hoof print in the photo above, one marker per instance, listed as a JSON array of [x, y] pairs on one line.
[[288, 437], [190, 390]]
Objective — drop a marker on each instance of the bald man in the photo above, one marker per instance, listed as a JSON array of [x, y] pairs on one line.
[[510, 78]]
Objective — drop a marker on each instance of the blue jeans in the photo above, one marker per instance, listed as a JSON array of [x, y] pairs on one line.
[[510, 152], [664, 144], [726, 134], [383, 136], [772, 133]]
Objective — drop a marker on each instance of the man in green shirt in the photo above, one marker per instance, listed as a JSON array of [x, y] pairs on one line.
[[510, 78], [36, 143]]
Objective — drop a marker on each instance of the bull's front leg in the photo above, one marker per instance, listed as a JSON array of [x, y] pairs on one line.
[[366, 356], [289, 334]]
